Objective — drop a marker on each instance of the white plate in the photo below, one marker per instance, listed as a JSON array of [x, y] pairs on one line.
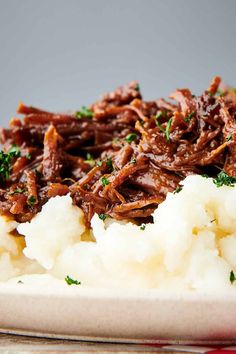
[[107, 315]]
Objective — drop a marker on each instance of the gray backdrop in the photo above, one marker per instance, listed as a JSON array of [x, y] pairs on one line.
[[60, 54]]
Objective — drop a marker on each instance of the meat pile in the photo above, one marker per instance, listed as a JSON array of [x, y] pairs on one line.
[[120, 156]]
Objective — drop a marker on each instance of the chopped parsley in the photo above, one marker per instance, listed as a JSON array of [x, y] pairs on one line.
[[137, 87], [84, 112], [232, 277], [189, 117], [99, 163], [31, 200], [229, 137], [131, 137], [223, 179], [142, 227], [20, 282], [14, 150], [178, 189], [28, 156], [18, 191], [89, 159], [71, 281], [102, 216], [205, 175], [109, 163], [133, 160], [160, 114], [6, 162], [166, 131], [104, 181]]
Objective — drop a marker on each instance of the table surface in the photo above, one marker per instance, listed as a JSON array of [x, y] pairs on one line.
[[22, 344]]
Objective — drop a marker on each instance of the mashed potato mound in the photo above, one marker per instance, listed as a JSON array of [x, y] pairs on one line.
[[190, 246], [58, 225]]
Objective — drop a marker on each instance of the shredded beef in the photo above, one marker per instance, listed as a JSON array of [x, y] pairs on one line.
[[120, 156]]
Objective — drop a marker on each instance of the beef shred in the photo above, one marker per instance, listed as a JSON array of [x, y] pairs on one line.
[[120, 156]]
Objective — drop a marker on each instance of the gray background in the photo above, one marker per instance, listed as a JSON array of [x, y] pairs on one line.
[[61, 54]]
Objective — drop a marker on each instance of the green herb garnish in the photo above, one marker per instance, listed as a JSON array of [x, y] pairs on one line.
[[229, 137], [178, 189], [102, 216], [133, 160], [232, 277], [6, 162], [205, 175], [142, 227], [28, 156], [189, 117], [137, 87], [71, 281], [89, 159], [160, 114], [14, 150], [109, 163], [166, 131], [84, 113], [130, 137], [223, 179], [104, 181], [18, 191], [99, 163], [31, 200]]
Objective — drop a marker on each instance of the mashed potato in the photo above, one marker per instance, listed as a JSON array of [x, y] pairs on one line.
[[57, 226], [190, 246]]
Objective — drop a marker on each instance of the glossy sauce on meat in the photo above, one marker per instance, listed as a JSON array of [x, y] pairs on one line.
[[118, 157]]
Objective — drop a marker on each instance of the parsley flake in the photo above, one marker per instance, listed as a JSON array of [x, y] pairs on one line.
[[232, 277], [178, 189], [189, 117], [229, 137], [6, 162], [102, 216], [166, 131], [109, 163], [142, 227], [89, 159], [99, 163], [104, 181], [84, 112], [71, 281], [131, 137], [223, 179], [133, 160], [28, 156], [14, 150], [18, 191], [31, 200]]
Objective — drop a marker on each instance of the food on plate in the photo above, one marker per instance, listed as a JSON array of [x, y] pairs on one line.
[[125, 193]]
